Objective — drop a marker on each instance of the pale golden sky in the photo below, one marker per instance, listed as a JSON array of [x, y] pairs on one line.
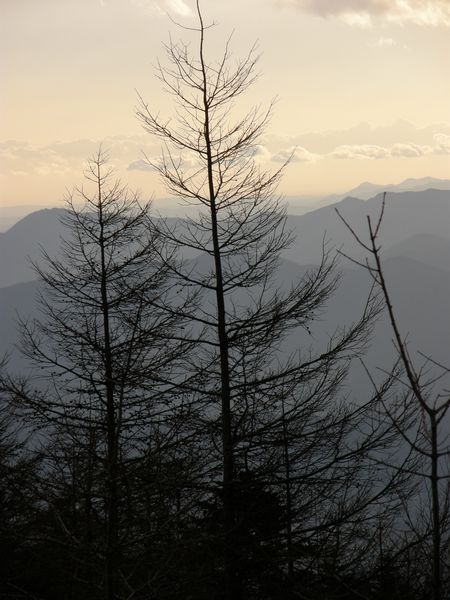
[[363, 88]]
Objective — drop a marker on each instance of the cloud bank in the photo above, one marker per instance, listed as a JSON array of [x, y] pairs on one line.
[[365, 151], [399, 150], [362, 143], [362, 13]]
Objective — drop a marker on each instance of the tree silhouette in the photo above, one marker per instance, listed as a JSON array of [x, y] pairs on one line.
[[252, 391], [103, 362], [424, 435]]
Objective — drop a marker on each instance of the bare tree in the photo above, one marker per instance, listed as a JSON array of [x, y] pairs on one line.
[[103, 365], [253, 391], [425, 436]]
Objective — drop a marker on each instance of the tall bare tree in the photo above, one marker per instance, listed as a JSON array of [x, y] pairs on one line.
[[103, 362], [253, 390]]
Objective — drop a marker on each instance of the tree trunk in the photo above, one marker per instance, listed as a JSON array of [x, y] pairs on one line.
[[111, 566], [435, 509], [229, 554]]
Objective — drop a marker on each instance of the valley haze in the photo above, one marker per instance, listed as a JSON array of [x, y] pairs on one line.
[[415, 242]]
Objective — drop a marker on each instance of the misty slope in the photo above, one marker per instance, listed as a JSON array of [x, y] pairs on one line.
[[432, 250], [408, 214], [9, 215], [19, 299], [416, 252], [24, 240], [421, 297], [41, 228]]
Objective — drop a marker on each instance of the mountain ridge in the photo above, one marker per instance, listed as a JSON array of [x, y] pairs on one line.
[[406, 214]]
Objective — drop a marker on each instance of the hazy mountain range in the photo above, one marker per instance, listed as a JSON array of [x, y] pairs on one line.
[[416, 249], [416, 225], [365, 191], [9, 215]]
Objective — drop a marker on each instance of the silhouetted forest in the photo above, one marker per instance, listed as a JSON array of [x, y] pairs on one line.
[[163, 442]]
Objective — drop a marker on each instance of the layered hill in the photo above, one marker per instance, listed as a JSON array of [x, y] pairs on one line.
[[408, 216], [25, 240], [415, 239]]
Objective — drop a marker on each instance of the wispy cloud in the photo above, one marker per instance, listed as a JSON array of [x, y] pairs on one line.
[[175, 7], [150, 163], [363, 20], [383, 42], [399, 150], [179, 7], [259, 152], [61, 157], [366, 151], [362, 13], [18, 158], [440, 146], [410, 150], [140, 165], [294, 154], [362, 134], [442, 143]]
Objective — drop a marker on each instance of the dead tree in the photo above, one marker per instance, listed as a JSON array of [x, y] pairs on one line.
[[425, 437]]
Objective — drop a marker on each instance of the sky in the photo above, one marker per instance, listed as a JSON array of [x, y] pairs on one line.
[[362, 88]]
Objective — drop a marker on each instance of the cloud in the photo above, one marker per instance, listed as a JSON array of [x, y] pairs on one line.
[[362, 134], [364, 142], [189, 161], [385, 43], [259, 152], [361, 20], [362, 13], [294, 154], [62, 157], [173, 7], [140, 165], [179, 7], [365, 151], [409, 150], [442, 143], [18, 157], [398, 150]]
